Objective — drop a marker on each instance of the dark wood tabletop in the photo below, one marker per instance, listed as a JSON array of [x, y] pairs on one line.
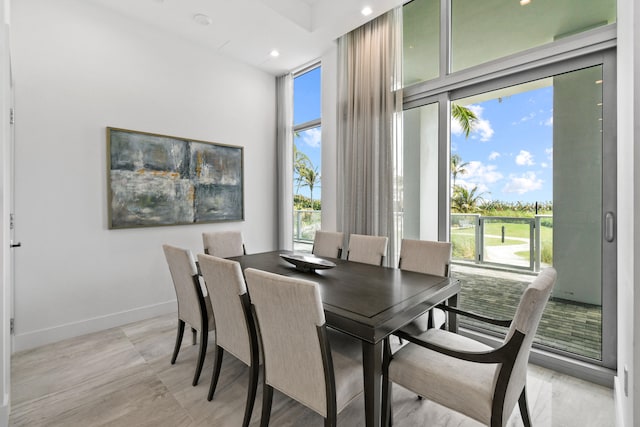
[[368, 302]]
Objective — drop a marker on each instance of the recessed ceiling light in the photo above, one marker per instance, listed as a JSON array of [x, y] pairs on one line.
[[366, 11], [524, 2], [274, 53], [202, 19]]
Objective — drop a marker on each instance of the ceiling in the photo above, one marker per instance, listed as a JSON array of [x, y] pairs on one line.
[[248, 30]]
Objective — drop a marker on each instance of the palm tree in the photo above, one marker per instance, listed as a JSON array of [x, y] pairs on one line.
[[310, 177], [465, 117], [300, 161], [465, 200], [457, 167]]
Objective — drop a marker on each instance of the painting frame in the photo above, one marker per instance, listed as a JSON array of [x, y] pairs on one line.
[[156, 180]]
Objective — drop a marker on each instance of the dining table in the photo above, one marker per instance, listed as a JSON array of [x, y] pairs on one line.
[[368, 302]]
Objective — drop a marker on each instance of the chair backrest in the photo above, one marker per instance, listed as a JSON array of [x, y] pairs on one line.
[[367, 249], [225, 284], [184, 274], [289, 312], [328, 243], [223, 244], [526, 320], [424, 256]]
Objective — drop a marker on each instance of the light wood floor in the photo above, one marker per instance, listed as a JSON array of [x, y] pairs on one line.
[[122, 377]]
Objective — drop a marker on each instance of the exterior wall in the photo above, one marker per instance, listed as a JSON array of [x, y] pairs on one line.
[[78, 69], [577, 142]]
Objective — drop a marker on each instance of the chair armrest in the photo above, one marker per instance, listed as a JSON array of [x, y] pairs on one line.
[[498, 322], [502, 354]]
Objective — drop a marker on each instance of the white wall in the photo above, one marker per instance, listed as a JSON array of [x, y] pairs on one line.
[[5, 258], [628, 229], [78, 69]]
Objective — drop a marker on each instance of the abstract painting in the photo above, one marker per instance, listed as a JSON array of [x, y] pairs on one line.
[[159, 180]]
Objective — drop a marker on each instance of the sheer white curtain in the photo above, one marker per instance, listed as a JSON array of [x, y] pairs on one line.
[[369, 106], [284, 141]]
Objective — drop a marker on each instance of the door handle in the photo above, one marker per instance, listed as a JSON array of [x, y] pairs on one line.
[[609, 227], [15, 245]]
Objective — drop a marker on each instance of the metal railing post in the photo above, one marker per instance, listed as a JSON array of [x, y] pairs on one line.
[[532, 244], [538, 245], [479, 229]]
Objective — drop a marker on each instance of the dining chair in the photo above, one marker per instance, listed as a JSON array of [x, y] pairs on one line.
[[297, 356], [235, 328], [223, 244], [367, 249], [328, 244], [465, 375], [194, 306], [426, 257]]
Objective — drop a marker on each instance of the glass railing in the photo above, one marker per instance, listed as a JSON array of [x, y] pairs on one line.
[[521, 243], [305, 224]]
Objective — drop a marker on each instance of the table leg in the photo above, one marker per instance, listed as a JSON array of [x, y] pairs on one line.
[[453, 319], [372, 372]]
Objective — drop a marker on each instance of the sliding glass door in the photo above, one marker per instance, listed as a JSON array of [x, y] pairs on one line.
[[528, 171], [527, 192]]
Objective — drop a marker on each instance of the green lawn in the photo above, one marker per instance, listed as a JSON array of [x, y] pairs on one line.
[[464, 245]]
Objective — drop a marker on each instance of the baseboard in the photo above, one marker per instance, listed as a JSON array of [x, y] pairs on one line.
[[70, 330], [618, 397]]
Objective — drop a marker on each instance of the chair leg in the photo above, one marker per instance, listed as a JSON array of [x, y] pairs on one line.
[[524, 409], [179, 336], [217, 364], [204, 335], [331, 420], [267, 399], [251, 392]]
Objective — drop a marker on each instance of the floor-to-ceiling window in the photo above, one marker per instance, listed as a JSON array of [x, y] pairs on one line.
[[509, 153], [307, 186]]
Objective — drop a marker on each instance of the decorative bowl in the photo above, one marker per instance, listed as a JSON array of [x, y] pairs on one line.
[[308, 263]]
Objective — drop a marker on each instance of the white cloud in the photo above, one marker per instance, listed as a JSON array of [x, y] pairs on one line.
[[527, 117], [549, 153], [481, 128], [523, 183], [548, 122], [494, 155], [481, 188], [312, 137], [478, 173], [524, 158]]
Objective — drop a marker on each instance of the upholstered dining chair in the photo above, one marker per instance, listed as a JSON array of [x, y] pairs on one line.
[[223, 244], [298, 360], [328, 244], [367, 249], [465, 375], [235, 328], [194, 307], [427, 257]]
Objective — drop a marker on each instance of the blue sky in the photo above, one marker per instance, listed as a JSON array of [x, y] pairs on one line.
[[306, 103], [510, 150]]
